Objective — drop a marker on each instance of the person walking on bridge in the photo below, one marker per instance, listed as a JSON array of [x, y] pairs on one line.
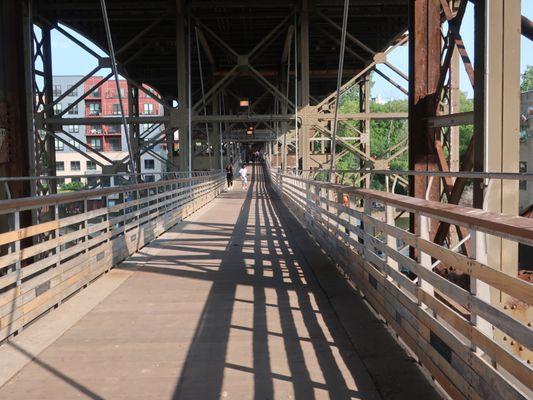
[[243, 172], [229, 176]]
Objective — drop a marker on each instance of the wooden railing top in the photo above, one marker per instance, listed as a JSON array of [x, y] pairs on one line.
[[25, 203], [514, 227]]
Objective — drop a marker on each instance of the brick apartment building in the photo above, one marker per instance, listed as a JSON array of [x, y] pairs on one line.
[[105, 101], [109, 139]]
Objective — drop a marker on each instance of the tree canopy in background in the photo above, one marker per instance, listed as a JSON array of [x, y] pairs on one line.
[[384, 134], [526, 82]]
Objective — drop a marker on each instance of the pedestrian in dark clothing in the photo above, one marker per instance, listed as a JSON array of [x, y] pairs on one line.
[[229, 176]]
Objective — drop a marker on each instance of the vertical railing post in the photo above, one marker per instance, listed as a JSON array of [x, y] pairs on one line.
[[424, 259], [18, 265], [56, 233], [139, 213], [368, 229], [478, 251], [85, 226], [391, 240]]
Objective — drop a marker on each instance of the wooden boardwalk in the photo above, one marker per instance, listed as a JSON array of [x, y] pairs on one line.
[[236, 303]]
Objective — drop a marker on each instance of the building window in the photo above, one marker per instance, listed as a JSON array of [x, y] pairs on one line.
[[149, 178], [114, 144], [148, 108], [122, 93], [74, 92], [95, 92], [92, 181], [95, 143], [114, 94], [75, 165], [149, 164], [91, 166], [96, 129], [74, 109], [60, 165], [58, 145], [113, 129], [74, 143], [144, 127], [75, 179], [94, 108], [57, 90], [522, 185], [58, 108], [116, 109], [73, 128]]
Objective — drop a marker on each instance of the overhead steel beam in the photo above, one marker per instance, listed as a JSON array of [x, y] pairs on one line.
[[242, 118], [102, 120], [348, 34], [141, 34], [439, 121], [287, 44], [205, 46]]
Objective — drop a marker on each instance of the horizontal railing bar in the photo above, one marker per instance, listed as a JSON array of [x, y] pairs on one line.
[[459, 174], [513, 227], [32, 202], [98, 175]]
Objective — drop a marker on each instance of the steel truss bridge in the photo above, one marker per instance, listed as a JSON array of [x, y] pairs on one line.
[[311, 282]]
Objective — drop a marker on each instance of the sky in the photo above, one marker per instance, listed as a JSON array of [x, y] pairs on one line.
[[69, 59]]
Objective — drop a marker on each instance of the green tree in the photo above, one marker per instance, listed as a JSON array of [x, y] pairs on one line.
[[526, 83], [384, 134], [71, 187], [465, 131]]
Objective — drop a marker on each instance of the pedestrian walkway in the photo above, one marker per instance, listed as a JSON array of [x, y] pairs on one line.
[[236, 303]]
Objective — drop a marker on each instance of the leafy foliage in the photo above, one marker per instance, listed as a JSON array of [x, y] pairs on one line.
[[526, 83], [71, 187], [385, 134]]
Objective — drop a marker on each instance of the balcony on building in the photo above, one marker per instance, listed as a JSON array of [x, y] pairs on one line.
[[94, 130]]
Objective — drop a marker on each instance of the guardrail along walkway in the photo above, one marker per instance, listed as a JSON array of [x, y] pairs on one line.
[[237, 302]]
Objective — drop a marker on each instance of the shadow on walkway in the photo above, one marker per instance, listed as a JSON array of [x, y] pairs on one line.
[[259, 255]]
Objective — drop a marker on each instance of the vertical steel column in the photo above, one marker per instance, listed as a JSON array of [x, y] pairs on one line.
[[182, 73], [15, 101], [305, 86], [134, 129], [455, 105], [285, 77], [454, 98], [496, 126], [214, 136], [169, 139], [424, 72], [14, 146], [364, 127], [16, 109], [48, 155]]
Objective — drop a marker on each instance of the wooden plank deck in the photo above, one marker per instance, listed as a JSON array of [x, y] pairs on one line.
[[237, 303]]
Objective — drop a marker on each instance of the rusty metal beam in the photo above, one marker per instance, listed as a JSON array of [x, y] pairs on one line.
[[424, 74]]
